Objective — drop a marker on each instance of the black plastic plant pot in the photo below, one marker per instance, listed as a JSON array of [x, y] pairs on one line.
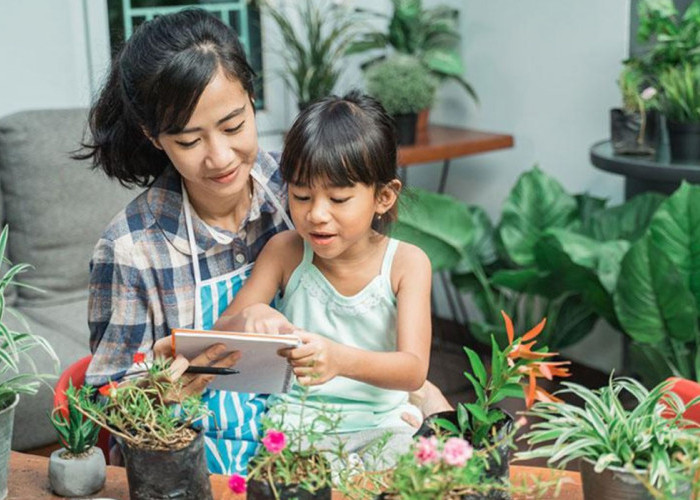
[[164, 474], [684, 141], [406, 128], [498, 466], [626, 133], [261, 490]]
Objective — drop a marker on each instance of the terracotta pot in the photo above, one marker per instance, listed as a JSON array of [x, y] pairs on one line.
[[7, 416], [77, 476], [167, 474]]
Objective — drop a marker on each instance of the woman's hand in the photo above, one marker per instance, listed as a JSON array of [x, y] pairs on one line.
[[259, 318], [215, 355], [429, 400], [315, 361]]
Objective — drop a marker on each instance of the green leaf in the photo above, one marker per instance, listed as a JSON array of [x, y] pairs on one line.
[[536, 203], [444, 62], [477, 412], [477, 366], [652, 299], [628, 221], [438, 224]]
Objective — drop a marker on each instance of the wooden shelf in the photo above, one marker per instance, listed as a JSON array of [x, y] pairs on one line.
[[440, 143]]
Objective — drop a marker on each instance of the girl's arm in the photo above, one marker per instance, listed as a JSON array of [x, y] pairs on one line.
[[249, 310], [321, 359]]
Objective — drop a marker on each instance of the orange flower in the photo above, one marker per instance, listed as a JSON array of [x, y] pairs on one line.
[[547, 370], [108, 389], [139, 357]]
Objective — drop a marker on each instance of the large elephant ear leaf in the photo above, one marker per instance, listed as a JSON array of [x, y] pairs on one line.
[[583, 265], [628, 221], [440, 225], [675, 231], [536, 203], [652, 300], [482, 247]]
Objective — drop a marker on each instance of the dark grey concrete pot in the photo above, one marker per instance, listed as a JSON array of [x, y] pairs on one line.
[[613, 483], [77, 476], [7, 416]]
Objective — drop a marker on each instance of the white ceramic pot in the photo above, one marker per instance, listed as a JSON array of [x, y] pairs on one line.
[[77, 476]]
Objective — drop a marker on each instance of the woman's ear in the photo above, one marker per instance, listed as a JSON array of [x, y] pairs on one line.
[[387, 196], [153, 140]]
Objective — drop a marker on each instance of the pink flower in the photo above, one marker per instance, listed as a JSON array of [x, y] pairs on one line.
[[237, 483], [274, 441], [456, 452], [648, 93], [426, 450]]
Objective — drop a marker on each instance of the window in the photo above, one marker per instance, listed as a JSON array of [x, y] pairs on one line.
[[126, 15]]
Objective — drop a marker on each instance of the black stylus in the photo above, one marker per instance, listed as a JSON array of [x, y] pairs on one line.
[[211, 370]]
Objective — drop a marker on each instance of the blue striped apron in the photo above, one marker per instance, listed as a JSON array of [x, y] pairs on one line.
[[232, 432]]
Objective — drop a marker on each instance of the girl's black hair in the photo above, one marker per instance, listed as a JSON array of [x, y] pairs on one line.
[[341, 141], [154, 84]]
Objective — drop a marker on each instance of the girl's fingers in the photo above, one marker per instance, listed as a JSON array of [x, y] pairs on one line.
[[303, 351]]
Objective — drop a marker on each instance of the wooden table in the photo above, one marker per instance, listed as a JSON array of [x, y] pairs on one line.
[[29, 479], [440, 143]]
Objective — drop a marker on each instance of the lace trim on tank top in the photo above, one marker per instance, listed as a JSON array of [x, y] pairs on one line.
[[318, 287]]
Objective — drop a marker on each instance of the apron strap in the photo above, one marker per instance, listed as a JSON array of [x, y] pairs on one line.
[[275, 201], [195, 258]]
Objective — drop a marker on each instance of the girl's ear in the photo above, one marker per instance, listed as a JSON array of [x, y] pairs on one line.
[[153, 140], [387, 196]]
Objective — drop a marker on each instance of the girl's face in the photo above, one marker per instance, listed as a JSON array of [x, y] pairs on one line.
[[216, 150], [337, 221]]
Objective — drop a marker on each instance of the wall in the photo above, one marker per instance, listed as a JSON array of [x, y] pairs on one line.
[[43, 56]]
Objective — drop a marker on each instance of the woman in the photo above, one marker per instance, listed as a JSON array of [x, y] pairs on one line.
[[177, 115]]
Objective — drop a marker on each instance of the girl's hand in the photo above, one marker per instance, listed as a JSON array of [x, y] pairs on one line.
[[315, 361], [259, 318], [214, 355]]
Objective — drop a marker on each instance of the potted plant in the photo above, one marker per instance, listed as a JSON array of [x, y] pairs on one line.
[[291, 463], [632, 127], [18, 373], [312, 52], [431, 35], [482, 422], [440, 466], [622, 447], [78, 467], [680, 104], [164, 454], [404, 88]]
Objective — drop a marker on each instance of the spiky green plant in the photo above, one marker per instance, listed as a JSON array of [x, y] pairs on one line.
[[680, 93], [76, 433], [18, 346], [313, 52], [651, 439]]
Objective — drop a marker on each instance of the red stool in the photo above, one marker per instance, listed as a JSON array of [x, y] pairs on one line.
[[687, 390], [76, 374]]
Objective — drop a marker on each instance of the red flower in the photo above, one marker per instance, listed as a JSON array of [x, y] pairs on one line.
[[237, 483], [108, 389], [139, 357]]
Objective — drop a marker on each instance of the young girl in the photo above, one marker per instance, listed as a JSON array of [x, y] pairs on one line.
[[365, 296]]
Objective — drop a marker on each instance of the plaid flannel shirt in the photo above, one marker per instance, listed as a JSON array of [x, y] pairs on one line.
[[141, 278]]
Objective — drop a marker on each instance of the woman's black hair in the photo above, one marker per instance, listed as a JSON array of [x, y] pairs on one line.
[[341, 141], [153, 87]]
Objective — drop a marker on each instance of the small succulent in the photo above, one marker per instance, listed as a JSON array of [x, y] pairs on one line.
[[76, 433]]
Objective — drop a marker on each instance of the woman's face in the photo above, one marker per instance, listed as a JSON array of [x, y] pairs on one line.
[[216, 150]]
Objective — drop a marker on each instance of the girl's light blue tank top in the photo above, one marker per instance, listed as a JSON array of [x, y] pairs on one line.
[[366, 320]]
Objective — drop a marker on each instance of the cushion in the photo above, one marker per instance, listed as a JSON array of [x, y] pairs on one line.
[[56, 207]]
